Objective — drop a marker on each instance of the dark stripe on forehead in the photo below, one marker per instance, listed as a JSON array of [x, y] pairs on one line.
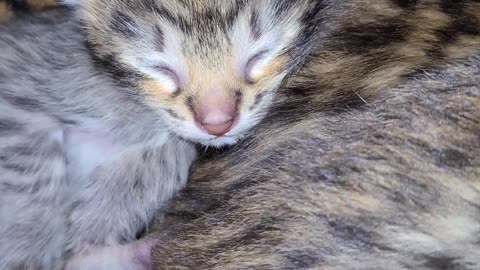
[[159, 38], [165, 13], [206, 19], [232, 14], [123, 24], [255, 26], [283, 6], [310, 23]]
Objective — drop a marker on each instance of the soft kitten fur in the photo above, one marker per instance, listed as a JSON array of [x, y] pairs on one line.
[[90, 148], [390, 185], [335, 180], [393, 185], [349, 172]]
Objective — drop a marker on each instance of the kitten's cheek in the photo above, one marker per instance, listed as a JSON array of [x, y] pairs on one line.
[[158, 90]]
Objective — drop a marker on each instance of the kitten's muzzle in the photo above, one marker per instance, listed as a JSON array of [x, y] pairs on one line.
[[217, 123], [216, 112]]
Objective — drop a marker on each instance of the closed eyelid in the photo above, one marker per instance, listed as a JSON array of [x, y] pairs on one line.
[[251, 62], [168, 72]]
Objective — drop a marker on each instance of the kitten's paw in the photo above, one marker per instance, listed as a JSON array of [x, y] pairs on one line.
[[134, 256]]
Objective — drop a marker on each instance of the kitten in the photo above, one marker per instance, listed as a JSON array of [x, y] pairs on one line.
[[93, 141]]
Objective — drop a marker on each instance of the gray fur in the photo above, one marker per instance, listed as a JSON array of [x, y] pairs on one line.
[[51, 92]]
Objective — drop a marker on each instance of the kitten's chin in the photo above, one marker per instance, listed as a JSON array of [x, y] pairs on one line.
[[216, 142], [192, 133], [220, 141]]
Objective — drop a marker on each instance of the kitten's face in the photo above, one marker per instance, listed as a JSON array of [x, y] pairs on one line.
[[211, 68]]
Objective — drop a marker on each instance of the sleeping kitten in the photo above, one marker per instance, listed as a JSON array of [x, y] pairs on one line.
[[93, 141]]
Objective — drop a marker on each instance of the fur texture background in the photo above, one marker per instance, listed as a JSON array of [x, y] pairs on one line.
[[370, 160], [394, 184]]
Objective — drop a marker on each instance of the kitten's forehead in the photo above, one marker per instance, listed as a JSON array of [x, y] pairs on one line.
[[211, 24]]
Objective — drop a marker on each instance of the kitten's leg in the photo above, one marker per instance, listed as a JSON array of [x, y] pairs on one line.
[[32, 171], [121, 197]]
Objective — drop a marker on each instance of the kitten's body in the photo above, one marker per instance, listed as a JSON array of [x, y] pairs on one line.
[[95, 148]]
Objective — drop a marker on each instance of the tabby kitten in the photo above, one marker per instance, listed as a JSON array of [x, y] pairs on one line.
[[93, 141], [348, 172]]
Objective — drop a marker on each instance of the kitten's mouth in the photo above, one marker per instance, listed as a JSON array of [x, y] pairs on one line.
[[220, 141]]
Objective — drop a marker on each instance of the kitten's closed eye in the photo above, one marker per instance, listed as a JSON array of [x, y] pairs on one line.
[[254, 66], [172, 75]]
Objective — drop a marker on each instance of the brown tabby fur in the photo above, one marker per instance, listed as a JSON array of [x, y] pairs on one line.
[[392, 185], [329, 182]]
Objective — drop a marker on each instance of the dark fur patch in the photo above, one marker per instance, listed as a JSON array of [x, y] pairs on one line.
[[258, 99], [123, 24], [301, 259], [350, 234], [8, 126], [24, 103], [442, 263], [17, 168], [360, 39], [23, 188], [21, 5], [159, 38], [454, 158], [255, 27], [173, 114], [122, 76], [178, 21], [461, 24], [138, 184], [406, 4], [238, 98], [190, 103]]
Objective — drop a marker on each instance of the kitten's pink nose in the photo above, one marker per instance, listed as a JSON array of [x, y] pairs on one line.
[[216, 111], [216, 123]]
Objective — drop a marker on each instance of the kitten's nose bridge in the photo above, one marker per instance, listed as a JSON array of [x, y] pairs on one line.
[[216, 112]]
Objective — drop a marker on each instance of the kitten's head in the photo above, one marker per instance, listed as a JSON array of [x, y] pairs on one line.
[[211, 68]]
